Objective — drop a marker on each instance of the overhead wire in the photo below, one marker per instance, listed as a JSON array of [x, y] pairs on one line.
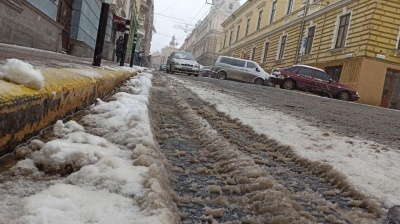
[[169, 6]]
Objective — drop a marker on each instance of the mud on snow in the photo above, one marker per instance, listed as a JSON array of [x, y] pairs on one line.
[[224, 172]]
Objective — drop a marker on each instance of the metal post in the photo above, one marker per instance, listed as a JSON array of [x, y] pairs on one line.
[[133, 50], [101, 34], [126, 37]]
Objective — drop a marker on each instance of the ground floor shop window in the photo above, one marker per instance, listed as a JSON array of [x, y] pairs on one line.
[[391, 90], [334, 72]]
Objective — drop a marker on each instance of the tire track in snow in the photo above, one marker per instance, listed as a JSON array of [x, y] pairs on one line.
[[270, 185]]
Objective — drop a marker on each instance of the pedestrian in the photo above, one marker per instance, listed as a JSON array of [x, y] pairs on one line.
[[140, 58], [119, 48]]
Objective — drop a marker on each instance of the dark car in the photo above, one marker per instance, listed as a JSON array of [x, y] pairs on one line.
[[163, 67], [206, 71], [313, 80]]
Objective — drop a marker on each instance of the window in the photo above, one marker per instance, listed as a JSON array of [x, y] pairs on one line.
[[342, 32], [224, 41], [310, 39], [334, 72], [282, 47], [290, 7], [237, 32], [247, 27], [251, 65], [291, 69], [230, 6], [321, 75], [398, 45], [305, 71], [230, 38], [273, 11], [259, 19], [266, 47], [239, 63], [225, 60], [253, 53]]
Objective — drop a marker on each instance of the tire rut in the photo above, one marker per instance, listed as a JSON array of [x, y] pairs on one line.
[[226, 172]]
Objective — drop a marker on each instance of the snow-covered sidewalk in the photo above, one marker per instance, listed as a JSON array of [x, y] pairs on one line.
[[107, 169], [370, 167]]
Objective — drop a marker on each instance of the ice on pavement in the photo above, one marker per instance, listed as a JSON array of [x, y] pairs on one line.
[[23, 73], [373, 172], [89, 173]]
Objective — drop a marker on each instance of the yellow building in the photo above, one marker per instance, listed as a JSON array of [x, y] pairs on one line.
[[355, 41]]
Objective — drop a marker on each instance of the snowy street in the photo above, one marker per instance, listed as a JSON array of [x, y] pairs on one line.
[[178, 149]]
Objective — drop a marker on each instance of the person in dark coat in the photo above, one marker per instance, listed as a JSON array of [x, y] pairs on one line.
[[119, 48]]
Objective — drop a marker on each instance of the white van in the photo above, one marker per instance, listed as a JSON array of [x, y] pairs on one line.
[[240, 69]]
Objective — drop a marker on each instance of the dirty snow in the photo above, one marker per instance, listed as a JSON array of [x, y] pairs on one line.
[[22, 73], [89, 174], [374, 172]]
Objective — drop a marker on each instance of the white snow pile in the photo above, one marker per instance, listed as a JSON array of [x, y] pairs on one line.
[[370, 167], [23, 73], [109, 171]]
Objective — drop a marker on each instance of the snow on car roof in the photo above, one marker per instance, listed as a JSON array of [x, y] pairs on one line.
[[307, 66]]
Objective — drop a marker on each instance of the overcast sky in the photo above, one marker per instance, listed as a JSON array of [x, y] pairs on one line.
[[170, 13]]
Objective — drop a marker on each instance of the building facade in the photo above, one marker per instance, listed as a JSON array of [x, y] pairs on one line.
[[168, 50], [355, 41], [204, 42], [69, 26], [31, 23]]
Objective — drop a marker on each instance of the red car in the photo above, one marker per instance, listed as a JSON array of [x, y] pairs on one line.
[[313, 80]]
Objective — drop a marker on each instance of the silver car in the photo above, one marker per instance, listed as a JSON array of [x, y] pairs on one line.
[[240, 69], [182, 62]]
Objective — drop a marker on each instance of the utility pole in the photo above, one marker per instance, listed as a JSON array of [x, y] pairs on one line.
[[101, 34], [126, 37], [133, 50]]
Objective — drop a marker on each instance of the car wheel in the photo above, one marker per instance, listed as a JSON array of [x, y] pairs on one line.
[[170, 69], [196, 75], [288, 84], [259, 82], [344, 96], [221, 75]]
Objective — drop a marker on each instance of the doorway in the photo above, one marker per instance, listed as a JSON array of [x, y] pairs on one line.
[[64, 17], [391, 90]]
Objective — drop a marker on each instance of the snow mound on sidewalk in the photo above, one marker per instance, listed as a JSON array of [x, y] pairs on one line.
[[72, 204], [23, 73]]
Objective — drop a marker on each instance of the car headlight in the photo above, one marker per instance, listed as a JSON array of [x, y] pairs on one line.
[[176, 63], [197, 66]]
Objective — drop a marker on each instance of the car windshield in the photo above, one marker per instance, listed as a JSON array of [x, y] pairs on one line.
[[163, 66], [183, 55]]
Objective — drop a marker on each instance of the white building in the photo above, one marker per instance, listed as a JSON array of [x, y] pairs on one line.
[[155, 60], [206, 39]]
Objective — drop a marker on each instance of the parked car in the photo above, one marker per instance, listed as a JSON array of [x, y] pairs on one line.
[[163, 67], [206, 71], [240, 69], [313, 80], [182, 62]]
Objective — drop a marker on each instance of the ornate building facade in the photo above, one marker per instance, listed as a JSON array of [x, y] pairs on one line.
[[205, 41], [357, 42]]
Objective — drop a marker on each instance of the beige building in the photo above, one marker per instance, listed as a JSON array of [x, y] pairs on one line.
[[355, 41], [168, 50], [205, 41]]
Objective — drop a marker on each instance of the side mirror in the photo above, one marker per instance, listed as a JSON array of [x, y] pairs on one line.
[[258, 70], [330, 81]]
